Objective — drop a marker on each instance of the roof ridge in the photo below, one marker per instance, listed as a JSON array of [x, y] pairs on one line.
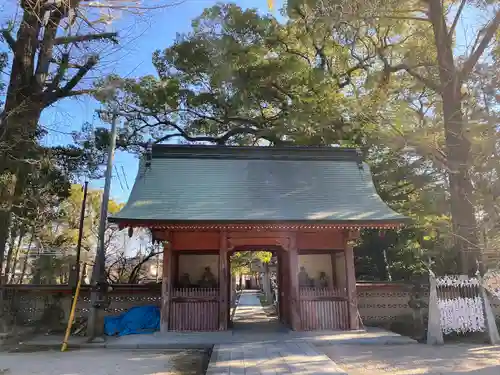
[[257, 152]]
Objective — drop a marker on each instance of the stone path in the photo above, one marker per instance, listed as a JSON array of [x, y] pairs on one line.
[[250, 316], [272, 358], [265, 357]]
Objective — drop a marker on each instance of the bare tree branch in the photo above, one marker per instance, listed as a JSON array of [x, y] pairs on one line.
[[410, 70], [65, 91], [135, 271], [79, 92], [61, 71], [8, 38], [47, 47], [408, 18], [86, 38], [489, 33], [457, 17]]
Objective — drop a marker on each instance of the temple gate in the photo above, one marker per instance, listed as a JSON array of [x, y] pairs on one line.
[[307, 204]]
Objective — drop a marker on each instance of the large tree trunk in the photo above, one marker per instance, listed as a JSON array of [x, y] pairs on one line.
[[10, 251], [22, 110], [4, 236], [457, 146], [12, 268], [26, 257]]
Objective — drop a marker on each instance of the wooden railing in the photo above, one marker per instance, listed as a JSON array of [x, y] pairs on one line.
[[323, 309], [194, 309]]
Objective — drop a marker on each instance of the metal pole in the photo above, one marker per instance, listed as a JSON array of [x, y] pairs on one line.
[[96, 318], [76, 268]]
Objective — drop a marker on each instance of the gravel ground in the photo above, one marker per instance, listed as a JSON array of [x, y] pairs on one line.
[[103, 362], [453, 359]]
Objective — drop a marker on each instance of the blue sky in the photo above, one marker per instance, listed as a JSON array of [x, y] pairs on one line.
[[155, 30]]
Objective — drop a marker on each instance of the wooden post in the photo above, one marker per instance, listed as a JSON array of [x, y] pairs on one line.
[[223, 280], [489, 316], [333, 260], [166, 288], [279, 273], [350, 282], [434, 332], [294, 284], [266, 283]]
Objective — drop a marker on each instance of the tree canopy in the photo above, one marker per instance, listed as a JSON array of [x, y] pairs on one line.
[[393, 79]]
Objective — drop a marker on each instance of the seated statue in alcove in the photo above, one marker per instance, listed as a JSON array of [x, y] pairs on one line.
[[322, 281], [304, 279], [185, 281], [208, 279]]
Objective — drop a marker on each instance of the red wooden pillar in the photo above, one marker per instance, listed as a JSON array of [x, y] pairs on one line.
[[223, 280], [166, 287], [294, 305], [230, 287], [333, 284], [353, 322], [281, 287], [175, 269], [283, 277]]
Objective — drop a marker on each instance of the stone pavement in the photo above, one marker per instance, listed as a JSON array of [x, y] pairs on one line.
[[271, 358], [278, 357]]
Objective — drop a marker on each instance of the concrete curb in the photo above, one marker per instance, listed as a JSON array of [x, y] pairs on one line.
[[151, 346]]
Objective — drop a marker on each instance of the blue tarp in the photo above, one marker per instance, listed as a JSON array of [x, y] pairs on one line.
[[140, 319]]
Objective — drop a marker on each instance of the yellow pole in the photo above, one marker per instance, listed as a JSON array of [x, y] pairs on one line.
[[71, 317]]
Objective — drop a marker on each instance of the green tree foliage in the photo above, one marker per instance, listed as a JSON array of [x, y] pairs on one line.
[[239, 78], [242, 260], [424, 77], [379, 75], [242, 78], [412, 186], [55, 242]]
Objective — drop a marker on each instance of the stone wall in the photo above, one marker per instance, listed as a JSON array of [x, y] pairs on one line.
[[379, 303], [382, 303], [28, 304]]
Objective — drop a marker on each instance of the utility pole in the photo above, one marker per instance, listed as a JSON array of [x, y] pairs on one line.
[[98, 298]]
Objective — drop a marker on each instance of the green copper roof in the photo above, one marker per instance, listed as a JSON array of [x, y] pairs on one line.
[[254, 184]]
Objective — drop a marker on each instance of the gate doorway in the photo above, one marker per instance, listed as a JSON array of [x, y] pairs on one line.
[[257, 289]]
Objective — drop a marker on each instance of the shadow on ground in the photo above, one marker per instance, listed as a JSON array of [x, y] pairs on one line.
[[453, 359], [109, 362]]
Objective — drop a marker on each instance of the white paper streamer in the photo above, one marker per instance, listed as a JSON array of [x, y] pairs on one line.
[[462, 315], [456, 281]]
